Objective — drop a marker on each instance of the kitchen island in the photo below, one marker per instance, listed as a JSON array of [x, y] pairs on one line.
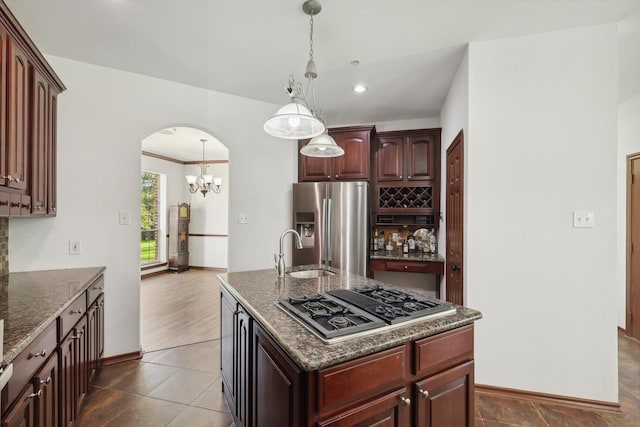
[[275, 371]]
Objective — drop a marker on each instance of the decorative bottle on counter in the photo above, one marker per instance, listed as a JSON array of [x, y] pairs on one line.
[[433, 243], [381, 242], [411, 243], [390, 244]]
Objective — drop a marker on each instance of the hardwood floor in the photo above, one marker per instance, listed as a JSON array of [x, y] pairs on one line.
[[181, 386], [179, 309]]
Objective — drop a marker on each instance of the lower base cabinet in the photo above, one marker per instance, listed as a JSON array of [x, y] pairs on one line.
[[54, 394], [425, 383]]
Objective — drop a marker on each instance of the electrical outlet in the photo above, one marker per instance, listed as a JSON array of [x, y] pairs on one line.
[[243, 218], [75, 247]]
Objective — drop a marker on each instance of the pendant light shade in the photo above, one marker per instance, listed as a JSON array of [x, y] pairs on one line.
[[293, 121], [322, 146]]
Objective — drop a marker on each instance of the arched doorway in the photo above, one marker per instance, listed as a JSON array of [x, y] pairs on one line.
[[174, 305]]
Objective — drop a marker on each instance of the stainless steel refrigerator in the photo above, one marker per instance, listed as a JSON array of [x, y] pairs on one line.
[[332, 219]]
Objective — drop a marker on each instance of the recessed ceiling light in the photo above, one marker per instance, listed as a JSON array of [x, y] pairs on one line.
[[360, 88]]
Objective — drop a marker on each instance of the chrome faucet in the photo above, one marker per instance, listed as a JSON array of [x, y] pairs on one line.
[[279, 259]]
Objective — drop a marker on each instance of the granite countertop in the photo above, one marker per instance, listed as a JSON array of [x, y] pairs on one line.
[[258, 291], [412, 256], [30, 301]]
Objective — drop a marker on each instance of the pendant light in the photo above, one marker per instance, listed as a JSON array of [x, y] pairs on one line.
[[322, 146], [300, 119]]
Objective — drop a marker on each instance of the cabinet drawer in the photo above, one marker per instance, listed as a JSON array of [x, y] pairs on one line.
[[413, 267], [95, 290], [357, 379], [71, 315], [30, 360], [442, 351], [5, 199]]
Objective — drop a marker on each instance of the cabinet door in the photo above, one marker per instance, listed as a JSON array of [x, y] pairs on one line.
[[227, 347], [67, 379], [390, 158], [354, 164], [420, 158], [276, 386], [446, 399], [52, 155], [39, 143], [82, 360], [23, 412], [46, 381], [3, 105], [313, 169], [92, 339], [17, 116], [243, 368], [390, 410]]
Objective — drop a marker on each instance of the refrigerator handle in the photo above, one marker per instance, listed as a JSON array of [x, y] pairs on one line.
[[328, 250], [324, 237]]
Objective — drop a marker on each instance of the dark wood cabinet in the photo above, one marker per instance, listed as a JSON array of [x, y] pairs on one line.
[[74, 371], [276, 385], [352, 166], [390, 410], [39, 144], [37, 406], [446, 398], [95, 328], [411, 155], [28, 114], [236, 326]]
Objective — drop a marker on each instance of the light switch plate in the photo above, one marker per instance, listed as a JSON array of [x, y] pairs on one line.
[[243, 218], [125, 217], [583, 219], [75, 247]]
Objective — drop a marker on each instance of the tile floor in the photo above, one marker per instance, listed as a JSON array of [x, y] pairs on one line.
[[181, 387]]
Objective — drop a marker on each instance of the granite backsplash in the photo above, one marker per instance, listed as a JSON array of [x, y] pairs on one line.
[[4, 246]]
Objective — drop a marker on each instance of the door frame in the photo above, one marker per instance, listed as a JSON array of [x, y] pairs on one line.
[[629, 322]]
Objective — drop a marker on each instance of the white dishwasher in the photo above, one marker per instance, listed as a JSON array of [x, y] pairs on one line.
[[5, 371]]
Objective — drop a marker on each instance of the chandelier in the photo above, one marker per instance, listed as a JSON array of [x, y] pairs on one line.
[[204, 183], [301, 119]]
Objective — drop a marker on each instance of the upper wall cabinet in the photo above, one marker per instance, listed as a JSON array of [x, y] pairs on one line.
[[352, 166], [408, 155], [28, 94]]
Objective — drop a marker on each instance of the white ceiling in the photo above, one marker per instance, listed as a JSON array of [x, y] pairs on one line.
[[185, 144], [408, 49]]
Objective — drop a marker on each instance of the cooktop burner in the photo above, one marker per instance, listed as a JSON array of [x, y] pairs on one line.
[[344, 312]]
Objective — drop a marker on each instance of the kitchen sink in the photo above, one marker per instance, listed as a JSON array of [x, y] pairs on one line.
[[310, 274]]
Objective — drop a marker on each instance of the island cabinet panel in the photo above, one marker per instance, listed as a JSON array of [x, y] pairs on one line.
[[74, 372], [386, 411], [277, 397], [446, 398], [227, 346], [360, 379], [23, 413]]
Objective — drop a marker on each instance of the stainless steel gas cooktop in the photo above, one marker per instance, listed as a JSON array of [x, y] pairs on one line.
[[347, 313]]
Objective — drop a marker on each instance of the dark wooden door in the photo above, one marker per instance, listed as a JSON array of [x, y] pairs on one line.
[[455, 224], [17, 116], [52, 155], [354, 164], [67, 379], [39, 143], [313, 169], [227, 347], [3, 104], [446, 399], [243, 368], [633, 253], [92, 341], [46, 380], [82, 363], [23, 412], [390, 158], [421, 158], [276, 388]]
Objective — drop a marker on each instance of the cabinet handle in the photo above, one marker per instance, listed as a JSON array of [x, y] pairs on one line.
[[38, 394], [38, 208], [328, 176], [405, 400], [424, 393], [24, 205], [43, 353], [45, 382], [6, 203], [408, 177], [15, 205], [75, 312], [406, 266], [455, 267], [336, 175]]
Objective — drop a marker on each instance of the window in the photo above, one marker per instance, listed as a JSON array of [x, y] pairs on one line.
[[149, 220]]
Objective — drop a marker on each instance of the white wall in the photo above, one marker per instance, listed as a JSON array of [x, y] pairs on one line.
[[102, 118], [426, 123], [209, 215], [628, 143], [542, 143], [454, 117]]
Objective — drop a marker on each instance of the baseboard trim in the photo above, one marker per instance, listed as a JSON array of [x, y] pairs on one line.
[[119, 358], [552, 399], [195, 267], [622, 330]]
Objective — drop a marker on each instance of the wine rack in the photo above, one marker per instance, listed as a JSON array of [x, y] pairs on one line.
[[420, 197]]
